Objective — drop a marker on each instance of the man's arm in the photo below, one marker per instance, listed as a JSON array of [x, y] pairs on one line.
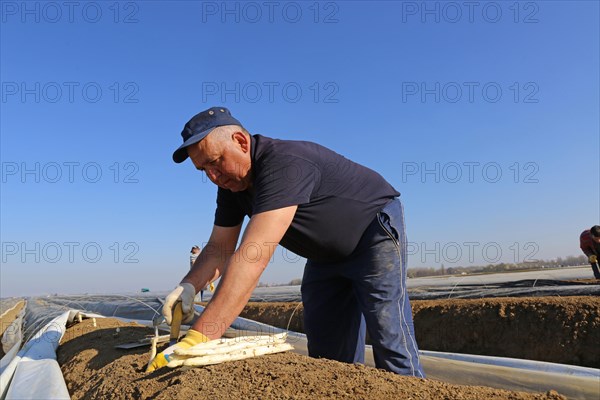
[[243, 270], [210, 262]]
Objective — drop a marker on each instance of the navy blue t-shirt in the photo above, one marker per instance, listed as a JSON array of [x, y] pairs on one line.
[[337, 198]]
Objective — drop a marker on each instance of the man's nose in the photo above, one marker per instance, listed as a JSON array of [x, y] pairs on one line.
[[213, 174]]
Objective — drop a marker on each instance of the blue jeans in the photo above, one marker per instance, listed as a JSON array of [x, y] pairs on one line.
[[366, 291]]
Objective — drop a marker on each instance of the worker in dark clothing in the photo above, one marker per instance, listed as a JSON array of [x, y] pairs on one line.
[[589, 241], [344, 218]]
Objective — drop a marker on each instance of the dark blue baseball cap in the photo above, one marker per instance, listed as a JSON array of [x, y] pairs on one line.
[[200, 126]]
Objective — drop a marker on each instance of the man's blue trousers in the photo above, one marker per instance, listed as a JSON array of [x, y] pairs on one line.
[[365, 292]]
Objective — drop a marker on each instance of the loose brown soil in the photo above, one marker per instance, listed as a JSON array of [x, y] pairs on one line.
[[7, 319], [93, 369], [584, 281], [556, 329]]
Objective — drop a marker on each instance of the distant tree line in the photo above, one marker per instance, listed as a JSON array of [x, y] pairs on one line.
[[501, 267], [293, 282]]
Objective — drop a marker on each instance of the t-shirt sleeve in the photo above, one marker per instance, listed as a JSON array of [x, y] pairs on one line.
[[285, 181], [229, 212]]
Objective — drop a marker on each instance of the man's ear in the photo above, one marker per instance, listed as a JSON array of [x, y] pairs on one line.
[[242, 140]]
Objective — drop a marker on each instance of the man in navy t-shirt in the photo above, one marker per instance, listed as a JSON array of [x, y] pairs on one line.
[[344, 218]]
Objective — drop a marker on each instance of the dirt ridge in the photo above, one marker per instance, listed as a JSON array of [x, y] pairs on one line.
[[93, 369], [562, 330]]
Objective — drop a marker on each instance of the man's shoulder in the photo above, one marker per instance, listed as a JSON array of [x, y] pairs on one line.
[[268, 149], [269, 143], [585, 239]]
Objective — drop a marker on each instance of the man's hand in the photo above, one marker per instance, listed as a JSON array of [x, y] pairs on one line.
[[593, 259], [186, 292], [162, 359]]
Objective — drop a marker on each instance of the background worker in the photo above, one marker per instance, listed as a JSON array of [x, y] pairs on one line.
[[194, 255], [589, 241], [344, 218]]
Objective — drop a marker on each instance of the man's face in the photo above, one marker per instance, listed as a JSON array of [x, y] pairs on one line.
[[225, 161], [596, 239]]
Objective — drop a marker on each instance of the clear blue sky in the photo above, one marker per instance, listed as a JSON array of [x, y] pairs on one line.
[[486, 119]]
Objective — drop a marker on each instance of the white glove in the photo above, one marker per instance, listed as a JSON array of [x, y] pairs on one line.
[[186, 292]]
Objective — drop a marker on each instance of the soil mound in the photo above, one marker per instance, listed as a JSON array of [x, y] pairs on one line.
[[562, 330], [94, 369]]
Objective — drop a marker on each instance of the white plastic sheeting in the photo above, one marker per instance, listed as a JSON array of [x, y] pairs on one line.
[[538, 366], [39, 379], [35, 366], [34, 373], [12, 337]]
